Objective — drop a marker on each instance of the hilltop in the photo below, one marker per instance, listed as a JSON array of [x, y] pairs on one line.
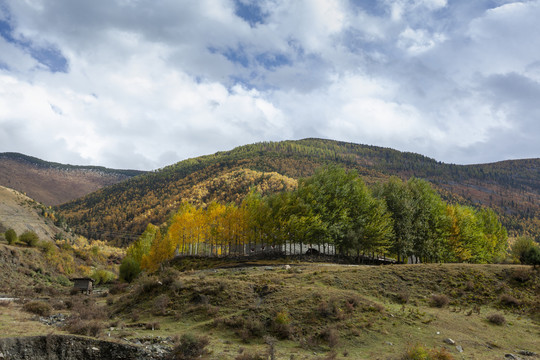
[[53, 183], [123, 210]]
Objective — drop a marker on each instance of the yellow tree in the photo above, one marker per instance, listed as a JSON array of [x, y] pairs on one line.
[[162, 249]]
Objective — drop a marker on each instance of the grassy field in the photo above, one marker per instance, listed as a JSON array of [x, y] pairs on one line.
[[319, 311]]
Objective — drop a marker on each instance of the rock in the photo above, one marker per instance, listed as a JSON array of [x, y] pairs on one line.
[[287, 267], [389, 343], [511, 356], [526, 353], [459, 348], [449, 341]]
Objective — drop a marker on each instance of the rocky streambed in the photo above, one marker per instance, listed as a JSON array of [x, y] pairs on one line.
[[63, 347]]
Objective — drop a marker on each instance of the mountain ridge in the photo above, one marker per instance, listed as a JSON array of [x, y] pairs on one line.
[[511, 187], [53, 183]]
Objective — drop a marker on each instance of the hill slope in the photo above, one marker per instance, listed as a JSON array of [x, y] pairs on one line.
[[53, 183], [511, 187], [20, 213]]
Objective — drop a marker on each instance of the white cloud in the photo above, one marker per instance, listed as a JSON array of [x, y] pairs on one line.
[[149, 84]]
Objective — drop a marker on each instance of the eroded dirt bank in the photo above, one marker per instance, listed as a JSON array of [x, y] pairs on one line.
[[58, 347]]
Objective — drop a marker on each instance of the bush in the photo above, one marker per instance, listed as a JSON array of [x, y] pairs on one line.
[[84, 327], [496, 319], [418, 352], [102, 276], [38, 307], [30, 238], [521, 275], [439, 300], [118, 288], [509, 300], [11, 236], [190, 347], [521, 246], [531, 256], [47, 247], [152, 326], [160, 304], [129, 269]]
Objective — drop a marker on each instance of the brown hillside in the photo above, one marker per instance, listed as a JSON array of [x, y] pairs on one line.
[[54, 184]]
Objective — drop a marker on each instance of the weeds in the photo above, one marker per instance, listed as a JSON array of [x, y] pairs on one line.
[[38, 307], [190, 347], [439, 300], [496, 319]]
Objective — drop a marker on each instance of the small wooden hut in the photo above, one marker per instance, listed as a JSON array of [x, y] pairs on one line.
[[83, 285]]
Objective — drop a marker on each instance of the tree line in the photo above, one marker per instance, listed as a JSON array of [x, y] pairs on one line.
[[335, 212]]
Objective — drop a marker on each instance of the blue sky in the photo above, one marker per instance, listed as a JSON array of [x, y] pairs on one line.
[[140, 84]]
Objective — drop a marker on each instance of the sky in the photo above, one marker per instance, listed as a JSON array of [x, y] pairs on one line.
[[143, 84]]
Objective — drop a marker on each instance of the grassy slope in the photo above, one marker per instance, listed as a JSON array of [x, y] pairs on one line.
[[363, 305], [512, 187], [371, 312]]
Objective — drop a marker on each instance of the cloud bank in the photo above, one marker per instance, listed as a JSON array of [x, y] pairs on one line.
[[136, 84]]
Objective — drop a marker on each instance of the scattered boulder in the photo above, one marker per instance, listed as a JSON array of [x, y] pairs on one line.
[[449, 341]]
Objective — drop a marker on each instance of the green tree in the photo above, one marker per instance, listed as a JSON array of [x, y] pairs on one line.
[[521, 246], [399, 202], [30, 238], [129, 269], [343, 211], [429, 221], [531, 256], [11, 236]]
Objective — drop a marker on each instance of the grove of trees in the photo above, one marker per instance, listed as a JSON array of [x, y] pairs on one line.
[[334, 212]]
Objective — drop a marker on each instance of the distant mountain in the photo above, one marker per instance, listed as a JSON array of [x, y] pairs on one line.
[[52, 183], [121, 211]]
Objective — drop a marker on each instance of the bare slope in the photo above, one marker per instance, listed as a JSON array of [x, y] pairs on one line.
[[21, 213], [53, 183]]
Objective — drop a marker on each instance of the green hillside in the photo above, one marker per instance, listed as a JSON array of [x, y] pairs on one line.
[[122, 211]]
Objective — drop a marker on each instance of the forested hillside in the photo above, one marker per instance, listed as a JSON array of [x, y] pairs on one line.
[[53, 183], [122, 211]]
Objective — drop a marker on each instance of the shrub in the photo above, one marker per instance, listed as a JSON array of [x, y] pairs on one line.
[[190, 347], [84, 327], [160, 304], [531, 256], [441, 354], [331, 336], [419, 352], [129, 269], [30, 238], [439, 300], [416, 352], [47, 247], [521, 275], [281, 325], [62, 280], [402, 297], [118, 288], [38, 307], [521, 246], [496, 319], [509, 300], [102, 276], [11, 236], [152, 326]]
